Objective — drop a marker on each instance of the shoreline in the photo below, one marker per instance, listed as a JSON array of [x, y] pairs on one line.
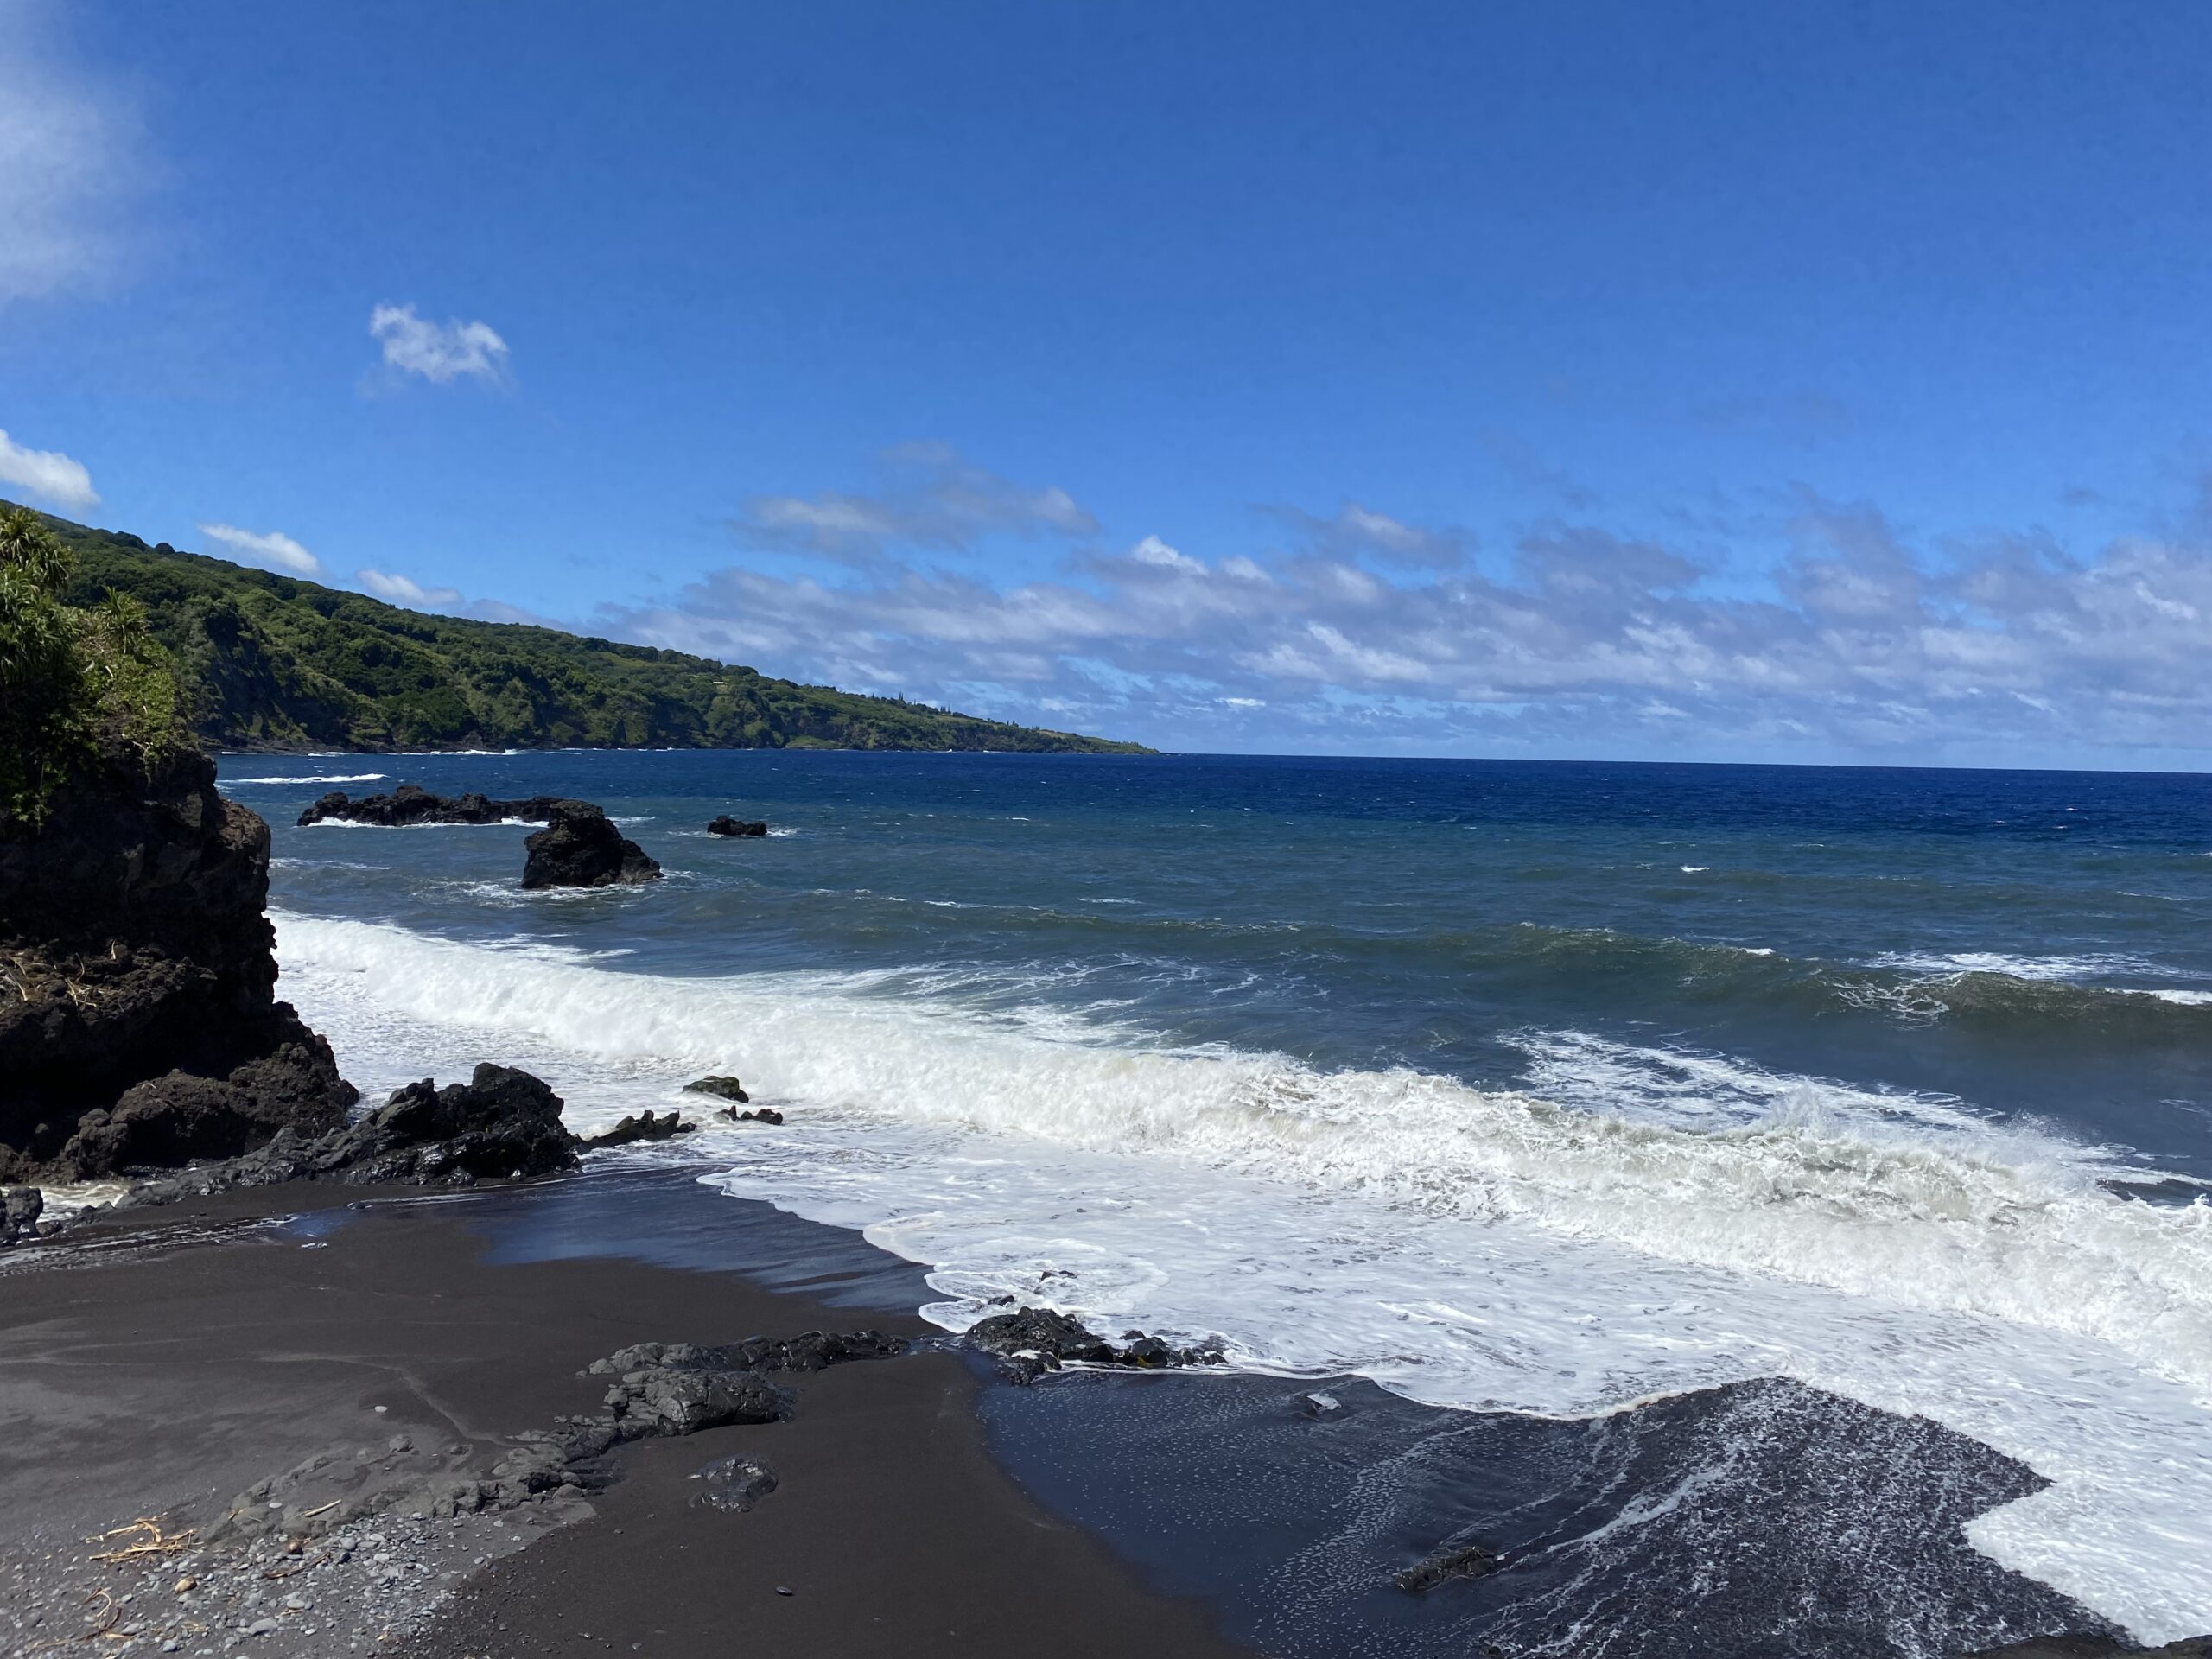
[[162, 1362]]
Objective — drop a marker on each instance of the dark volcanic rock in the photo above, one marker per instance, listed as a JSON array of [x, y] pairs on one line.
[[138, 1020], [735, 1483], [644, 1127], [581, 848], [728, 1087], [1034, 1340], [20, 1208], [664, 1400], [501, 1124], [813, 1351], [758, 1114], [727, 825], [1468, 1561], [680, 1388], [412, 804]]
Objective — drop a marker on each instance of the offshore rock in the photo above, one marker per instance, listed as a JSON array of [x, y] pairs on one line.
[[727, 825], [138, 1020], [1032, 1341], [411, 804], [502, 1124], [643, 1126], [581, 848]]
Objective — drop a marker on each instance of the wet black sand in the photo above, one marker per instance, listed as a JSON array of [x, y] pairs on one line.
[[164, 1373]]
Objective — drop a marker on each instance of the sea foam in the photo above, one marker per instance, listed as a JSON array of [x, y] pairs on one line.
[[1636, 1223]]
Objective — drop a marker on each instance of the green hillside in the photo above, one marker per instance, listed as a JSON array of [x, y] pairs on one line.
[[271, 662]]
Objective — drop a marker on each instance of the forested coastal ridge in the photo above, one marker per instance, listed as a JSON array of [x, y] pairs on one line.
[[272, 663]]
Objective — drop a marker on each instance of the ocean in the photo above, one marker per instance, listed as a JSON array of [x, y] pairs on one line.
[[1549, 1095]]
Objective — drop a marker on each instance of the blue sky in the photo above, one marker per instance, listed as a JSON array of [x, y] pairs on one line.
[[1789, 382]]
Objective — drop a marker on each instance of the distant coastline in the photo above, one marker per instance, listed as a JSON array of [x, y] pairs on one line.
[[277, 665]]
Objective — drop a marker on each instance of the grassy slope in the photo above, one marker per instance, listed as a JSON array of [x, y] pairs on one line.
[[272, 663]]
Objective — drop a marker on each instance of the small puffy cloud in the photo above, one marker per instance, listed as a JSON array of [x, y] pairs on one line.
[[405, 590], [1156, 553], [438, 351], [274, 549], [47, 474], [927, 497]]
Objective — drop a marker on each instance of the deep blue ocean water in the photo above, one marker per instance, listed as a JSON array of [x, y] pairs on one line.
[[1513, 1086]]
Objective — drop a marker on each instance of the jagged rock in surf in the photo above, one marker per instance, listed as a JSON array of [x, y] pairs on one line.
[[581, 848], [20, 1208], [139, 1026], [760, 1114], [1032, 1341], [726, 1088], [643, 1126], [411, 804], [727, 825]]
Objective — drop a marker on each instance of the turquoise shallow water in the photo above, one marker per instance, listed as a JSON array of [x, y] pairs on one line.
[[1534, 1091]]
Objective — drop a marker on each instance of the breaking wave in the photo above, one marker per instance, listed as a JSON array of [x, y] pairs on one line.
[[1636, 1222]]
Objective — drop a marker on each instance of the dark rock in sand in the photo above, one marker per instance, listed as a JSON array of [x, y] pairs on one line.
[[411, 804], [1467, 1562], [581, 848], [643, 1126], [815, 1351], [664, 1400], [735, 1483], [728, 1087], [138, 1020], [726, 825], [501, 1124], [1034, 1340]]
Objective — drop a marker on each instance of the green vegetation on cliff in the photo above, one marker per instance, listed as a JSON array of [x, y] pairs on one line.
[[77, 683], [268, 661]]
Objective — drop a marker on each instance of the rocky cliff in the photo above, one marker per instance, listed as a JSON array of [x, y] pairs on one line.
[[139, 1026]]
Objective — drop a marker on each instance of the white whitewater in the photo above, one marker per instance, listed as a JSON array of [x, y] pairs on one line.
[[1639, 1223]]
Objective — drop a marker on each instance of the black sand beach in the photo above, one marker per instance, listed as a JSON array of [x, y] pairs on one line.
[[161, 1362]]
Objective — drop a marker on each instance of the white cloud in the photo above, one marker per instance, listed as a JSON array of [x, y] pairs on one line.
[[46, 473], [1585, 641], [274, 548], [405, 590], [927, 497], [438, 351], [66, 164], [1154, 552]]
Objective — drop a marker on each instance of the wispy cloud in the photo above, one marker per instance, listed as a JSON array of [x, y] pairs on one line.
[[47, 474], [1580, 640], [66, 161], [928, 497], [272, 548], [438, 351], [405, 590]]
